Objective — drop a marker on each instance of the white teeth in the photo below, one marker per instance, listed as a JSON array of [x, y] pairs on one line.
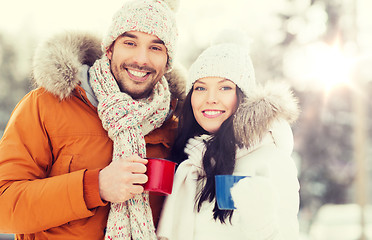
[[212, 112], [137, 74]]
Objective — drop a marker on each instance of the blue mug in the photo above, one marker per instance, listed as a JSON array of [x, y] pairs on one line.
[[223, 195]]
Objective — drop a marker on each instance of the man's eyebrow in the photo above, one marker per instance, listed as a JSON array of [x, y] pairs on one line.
[[130, 35], [158, 41], [127, 34]]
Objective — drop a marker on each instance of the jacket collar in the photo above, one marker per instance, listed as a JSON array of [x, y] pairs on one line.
[[86, 86], [260, 112], [58, 65]]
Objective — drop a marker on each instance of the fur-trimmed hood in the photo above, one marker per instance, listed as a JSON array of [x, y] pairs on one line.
[[57, 63], [262, 110]]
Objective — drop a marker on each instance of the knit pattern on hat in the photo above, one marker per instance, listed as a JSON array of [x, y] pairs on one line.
[[227, 60], [127, 121], [149, 16]]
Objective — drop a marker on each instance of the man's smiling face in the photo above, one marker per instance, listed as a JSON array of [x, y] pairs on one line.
[[138, 62]]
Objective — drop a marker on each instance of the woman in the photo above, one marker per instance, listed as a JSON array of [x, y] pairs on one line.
[[230, 125]]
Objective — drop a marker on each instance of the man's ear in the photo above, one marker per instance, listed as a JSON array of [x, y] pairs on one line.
[[109, 51], [167, 67]]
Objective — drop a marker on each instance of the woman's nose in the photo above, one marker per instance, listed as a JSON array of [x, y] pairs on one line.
[[211, 97]]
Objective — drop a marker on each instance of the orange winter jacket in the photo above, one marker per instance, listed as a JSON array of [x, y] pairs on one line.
[[45, 151], [53, 148]]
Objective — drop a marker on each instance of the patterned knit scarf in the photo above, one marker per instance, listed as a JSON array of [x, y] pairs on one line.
[[127, 121]]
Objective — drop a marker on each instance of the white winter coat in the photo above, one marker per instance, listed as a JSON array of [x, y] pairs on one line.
[[267, 201]]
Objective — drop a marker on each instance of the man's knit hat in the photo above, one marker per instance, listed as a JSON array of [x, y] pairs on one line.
[[226, 60], [155, 17]]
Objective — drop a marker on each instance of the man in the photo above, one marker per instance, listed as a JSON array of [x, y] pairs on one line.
[[72, 157]]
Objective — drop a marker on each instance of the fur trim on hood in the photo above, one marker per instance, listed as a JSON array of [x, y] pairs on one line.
[[57, 62], [265, 105]]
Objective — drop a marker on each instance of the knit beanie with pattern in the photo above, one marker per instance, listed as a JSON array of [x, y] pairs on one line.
[[155, 17], [226, 60]]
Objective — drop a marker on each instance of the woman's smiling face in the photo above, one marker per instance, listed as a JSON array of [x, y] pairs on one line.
[[213, 100]]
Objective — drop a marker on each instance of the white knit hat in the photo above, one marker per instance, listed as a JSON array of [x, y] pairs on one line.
[[154, 17], [226, 60]]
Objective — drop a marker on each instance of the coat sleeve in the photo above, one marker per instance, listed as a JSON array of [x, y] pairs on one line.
[[268, 201], [284, 179], [30, 200]]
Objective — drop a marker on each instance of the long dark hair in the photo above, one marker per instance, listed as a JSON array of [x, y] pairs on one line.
[[219, 157]]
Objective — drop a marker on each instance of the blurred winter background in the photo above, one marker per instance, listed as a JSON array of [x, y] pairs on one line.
[[323, 48]]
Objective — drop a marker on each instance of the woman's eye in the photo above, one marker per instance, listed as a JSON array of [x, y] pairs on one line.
[[199, 89], [226, 88]]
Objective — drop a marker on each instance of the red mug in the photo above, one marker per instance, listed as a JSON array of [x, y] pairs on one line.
[[160, 173]]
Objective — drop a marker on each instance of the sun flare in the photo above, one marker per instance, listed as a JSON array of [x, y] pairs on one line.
[[332, 67]]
